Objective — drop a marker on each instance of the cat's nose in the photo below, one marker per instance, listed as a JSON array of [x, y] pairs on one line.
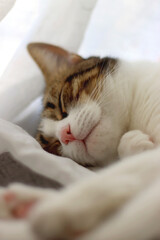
[[66, 135]]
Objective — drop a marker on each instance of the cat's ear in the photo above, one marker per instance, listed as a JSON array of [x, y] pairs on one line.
[[52, 60]]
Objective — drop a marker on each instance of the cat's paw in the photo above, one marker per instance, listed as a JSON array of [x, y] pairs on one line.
[[17, 200], [55, 220], [134, 142], [74, 213]]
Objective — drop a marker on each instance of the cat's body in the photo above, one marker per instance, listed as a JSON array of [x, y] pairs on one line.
[[143, 80], [120, 118]]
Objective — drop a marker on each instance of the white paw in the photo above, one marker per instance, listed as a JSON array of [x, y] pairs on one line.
[[17, 200], [73, 213], [56, 220], [134, 142]]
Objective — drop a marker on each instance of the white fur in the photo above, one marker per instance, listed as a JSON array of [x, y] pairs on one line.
[[134, 142], [129, 101], [139, 219], [49, 127]]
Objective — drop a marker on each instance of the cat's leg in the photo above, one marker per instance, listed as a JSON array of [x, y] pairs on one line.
[[17, 199], [134, 142], [85, 205], [138, 220]]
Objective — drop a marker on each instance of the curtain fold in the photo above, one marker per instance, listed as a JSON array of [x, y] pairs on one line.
[[60, 22], [5, 7], [127, 29]]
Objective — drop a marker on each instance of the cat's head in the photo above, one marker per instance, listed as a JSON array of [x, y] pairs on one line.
[[76, 120]]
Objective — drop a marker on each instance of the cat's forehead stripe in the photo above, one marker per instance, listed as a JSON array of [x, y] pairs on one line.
[[86, 82], [59, 101], [50, 105], [74, 75], [100, 64]]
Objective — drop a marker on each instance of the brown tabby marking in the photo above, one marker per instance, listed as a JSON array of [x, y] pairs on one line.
[[70, 80], [47, 144]]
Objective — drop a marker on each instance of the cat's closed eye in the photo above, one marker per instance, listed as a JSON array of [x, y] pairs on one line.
[[50, 105], [64, 114]]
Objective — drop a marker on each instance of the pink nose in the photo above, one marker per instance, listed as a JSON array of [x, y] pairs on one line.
[[66, 135]]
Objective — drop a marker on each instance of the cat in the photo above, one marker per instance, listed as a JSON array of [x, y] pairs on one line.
[[97, 111]]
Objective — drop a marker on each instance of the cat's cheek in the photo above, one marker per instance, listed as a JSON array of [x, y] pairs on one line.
[[96, 149], [101, 143]]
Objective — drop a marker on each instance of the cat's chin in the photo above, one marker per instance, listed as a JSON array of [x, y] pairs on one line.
[[99, 144], [87, 152], [78, 151]]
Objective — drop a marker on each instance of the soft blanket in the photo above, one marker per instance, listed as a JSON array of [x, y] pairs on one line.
[[26, 150]]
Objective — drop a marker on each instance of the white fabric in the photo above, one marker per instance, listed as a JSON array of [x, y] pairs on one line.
[[126, 29], [5, 6], [26, 150], [29, 118]]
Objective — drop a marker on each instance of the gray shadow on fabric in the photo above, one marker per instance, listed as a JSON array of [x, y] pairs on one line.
[[12, 171]]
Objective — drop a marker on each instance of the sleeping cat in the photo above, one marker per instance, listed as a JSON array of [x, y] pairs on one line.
[[96, 109]]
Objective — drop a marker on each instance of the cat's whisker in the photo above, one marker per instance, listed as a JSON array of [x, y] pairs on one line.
[[99, 85], [107, 93], [96, 94], [95, 89], [102, 82]]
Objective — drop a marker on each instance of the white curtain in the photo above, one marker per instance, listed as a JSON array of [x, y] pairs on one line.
[[127, 29], [58, 22], [5, 6]]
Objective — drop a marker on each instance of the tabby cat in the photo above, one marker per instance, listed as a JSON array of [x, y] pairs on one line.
[[96, 109]]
